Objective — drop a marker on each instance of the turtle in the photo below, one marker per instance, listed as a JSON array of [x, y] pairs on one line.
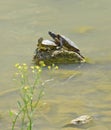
[[46, 44], [65, 43]]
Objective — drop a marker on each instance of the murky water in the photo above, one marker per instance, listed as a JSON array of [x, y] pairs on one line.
[[88, 23]]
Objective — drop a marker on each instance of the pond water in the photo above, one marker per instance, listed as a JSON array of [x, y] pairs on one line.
[[76, 89]]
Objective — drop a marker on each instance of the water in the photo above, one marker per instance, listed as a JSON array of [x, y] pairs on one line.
[[85, 22]]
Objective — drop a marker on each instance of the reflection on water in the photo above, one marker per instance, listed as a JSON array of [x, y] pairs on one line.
[[76, 89]]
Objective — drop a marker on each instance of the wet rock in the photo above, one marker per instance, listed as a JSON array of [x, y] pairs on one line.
[[85, 119], [57, 57]]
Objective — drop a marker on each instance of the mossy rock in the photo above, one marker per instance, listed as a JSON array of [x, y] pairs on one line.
[[61, 56]]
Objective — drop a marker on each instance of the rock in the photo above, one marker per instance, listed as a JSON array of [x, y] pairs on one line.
[[85, 119], [60, 56]]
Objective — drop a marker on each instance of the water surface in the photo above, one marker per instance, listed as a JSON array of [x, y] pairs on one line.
[[70, 95]]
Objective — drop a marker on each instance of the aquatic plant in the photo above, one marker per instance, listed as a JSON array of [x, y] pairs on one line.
[[31, 92]]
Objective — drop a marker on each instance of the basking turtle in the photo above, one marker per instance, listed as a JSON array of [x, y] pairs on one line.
[[65, 42], [46, 44]]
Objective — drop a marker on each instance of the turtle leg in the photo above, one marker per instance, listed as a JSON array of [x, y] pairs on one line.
[[61, 42], [80, 54]]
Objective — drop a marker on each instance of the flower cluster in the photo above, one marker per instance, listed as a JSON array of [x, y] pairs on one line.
[[24, 67], [21, 66], [54, 67]]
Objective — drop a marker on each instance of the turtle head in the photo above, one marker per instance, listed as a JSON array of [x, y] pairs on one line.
[[56, 38], [53, 35], [40, 40]]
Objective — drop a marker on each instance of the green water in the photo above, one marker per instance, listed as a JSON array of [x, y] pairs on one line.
[[88, 23]]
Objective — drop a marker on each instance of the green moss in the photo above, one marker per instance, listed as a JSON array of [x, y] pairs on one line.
[[57, 57]]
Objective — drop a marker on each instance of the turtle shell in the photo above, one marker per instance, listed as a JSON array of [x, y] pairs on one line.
[[46, 44], [65, 43], [69, 45]]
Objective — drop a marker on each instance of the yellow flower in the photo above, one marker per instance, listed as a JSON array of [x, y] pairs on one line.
[[24, 64], [37, 67], [42, 63], [17, 65], [39, 70], [33, 71], [26, 87], [32, 67], [56, 68], [49, 67]]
